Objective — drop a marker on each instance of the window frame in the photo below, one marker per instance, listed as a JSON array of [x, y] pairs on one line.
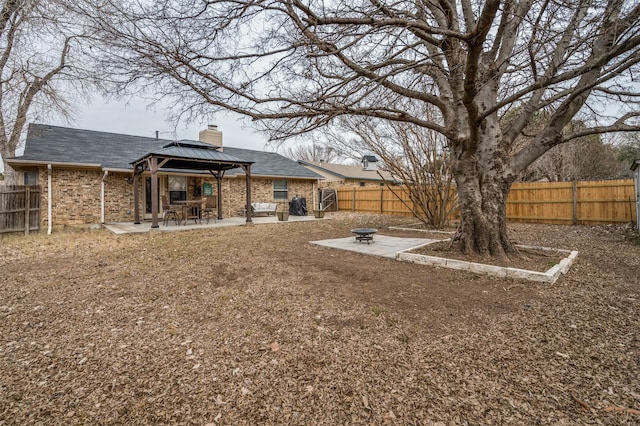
[[33, 173], [280, 193], [179, 194]]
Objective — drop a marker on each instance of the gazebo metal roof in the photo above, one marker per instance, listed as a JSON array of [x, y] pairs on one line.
[[187, 156], [192, 155]]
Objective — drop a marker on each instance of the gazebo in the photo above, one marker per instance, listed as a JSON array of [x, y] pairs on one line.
[[186, 156]]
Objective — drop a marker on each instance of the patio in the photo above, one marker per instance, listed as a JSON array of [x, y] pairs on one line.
[[145, 226]]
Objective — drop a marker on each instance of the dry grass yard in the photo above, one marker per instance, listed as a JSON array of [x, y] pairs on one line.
[[253, 325]]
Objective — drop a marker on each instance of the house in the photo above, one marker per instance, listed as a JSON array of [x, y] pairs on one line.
[[90, 177], [340, 175]]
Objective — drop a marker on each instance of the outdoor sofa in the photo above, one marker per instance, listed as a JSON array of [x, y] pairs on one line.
[[264, 208]]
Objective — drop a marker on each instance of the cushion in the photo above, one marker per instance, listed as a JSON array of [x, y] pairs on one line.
[[264, 206]]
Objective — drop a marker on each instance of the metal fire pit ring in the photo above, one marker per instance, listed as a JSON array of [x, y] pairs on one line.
[[364, 234]]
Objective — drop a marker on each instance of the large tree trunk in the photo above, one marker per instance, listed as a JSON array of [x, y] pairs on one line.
[[10, 176], [482, 201], [483, 187]]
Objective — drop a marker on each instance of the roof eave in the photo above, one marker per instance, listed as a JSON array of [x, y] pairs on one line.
[[117, 170], [11, 162], [263, 176], [372, 179], [305, 164]]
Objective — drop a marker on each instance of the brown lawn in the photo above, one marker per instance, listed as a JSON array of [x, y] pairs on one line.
[[253, 325]]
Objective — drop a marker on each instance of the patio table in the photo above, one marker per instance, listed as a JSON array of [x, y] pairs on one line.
[[190, 210]]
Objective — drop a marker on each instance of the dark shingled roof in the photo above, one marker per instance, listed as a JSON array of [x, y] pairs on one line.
[[62, 145]]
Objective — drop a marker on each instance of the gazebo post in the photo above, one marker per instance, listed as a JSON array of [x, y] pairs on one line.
[[154, 192], [136, 196], [247, 171], [218, 177]]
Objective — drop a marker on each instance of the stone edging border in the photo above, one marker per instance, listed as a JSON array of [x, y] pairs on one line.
[[550, 276], [434, 231]]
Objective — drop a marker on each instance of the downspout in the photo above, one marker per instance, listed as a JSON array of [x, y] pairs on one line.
[[315, 186], [106, 172], [49, 197]]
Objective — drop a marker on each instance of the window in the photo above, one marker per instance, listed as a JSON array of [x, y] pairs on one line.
[[361, 184], [177, 188], [280, 190], [31, 178]]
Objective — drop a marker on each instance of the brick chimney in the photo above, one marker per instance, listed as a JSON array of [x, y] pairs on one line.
[[212, 136]]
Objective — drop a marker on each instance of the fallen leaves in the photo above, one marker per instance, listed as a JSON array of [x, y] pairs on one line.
[[192, 332], [611, 409]]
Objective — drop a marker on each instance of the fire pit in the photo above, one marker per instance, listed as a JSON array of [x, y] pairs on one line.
[[364, 234]]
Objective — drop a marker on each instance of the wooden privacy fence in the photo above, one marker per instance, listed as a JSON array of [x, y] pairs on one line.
[[588, 202], [374, 200], [19, 208]]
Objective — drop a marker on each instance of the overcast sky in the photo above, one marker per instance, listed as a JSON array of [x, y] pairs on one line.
[[135, 118]]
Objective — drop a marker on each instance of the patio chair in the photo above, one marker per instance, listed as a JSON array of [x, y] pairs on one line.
[[169, 212], [209, 208]]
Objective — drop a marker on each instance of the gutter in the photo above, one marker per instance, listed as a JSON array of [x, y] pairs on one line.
[[106, 173], [49, 199], [117, 170], [254, 176], [57, 164]]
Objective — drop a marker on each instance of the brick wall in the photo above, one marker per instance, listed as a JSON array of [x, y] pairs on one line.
[[76, 195], [118, 198], [234, 196]]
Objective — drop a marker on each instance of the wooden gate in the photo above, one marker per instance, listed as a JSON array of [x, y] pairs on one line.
[[19, 208], [328, 199]]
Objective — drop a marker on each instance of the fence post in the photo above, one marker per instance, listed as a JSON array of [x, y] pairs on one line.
[[381, 200], [353, 199], [27, 207], [575, 202]]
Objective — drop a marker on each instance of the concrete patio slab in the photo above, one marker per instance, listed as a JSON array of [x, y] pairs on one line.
[[145, 226], [382, 245], [396, 248]]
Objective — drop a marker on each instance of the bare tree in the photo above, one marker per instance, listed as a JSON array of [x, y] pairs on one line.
[[313, 151], [297, 65], [417, 157], [584, 158], [628, 148], [37, 40]]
